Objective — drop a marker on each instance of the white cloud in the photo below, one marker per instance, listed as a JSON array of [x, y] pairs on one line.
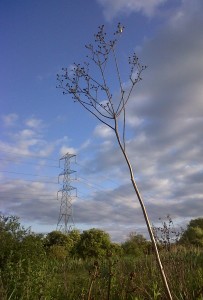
[[10, 119], [85, 145], [29, 200], [103, 131], [25, 134], [181, 15], [25, 140], [45, 76], [166, 121], [165, 143], [113, 8], [65, 149], [34, 123], [134, 121]]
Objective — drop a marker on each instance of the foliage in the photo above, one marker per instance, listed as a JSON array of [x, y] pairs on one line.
[[75, 236], [194, 233], [116, 249], [128, 278], [57, 244], [166, 234], [32, 246], [93, 243], [57, 238], [61, 245], [135, 245], [11, 236], [12, 226], [30, 272]]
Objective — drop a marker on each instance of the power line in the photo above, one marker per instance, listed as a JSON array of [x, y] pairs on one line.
[[5, 194], [94, 184], [20, 179], [29, 163], [27, 155], [88, 183], [79, 164], [27, 194], [117, 195], [27, 174], [80, 179], [30, 198], [52, 166]]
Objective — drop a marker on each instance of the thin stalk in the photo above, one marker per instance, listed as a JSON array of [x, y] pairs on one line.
[[90, 289], [149, 227], [109, 280], [93, 278]]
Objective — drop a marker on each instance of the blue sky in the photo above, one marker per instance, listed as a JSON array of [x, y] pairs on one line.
[[164, 116]]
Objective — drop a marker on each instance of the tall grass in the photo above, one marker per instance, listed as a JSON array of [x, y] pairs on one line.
[[112, 278]]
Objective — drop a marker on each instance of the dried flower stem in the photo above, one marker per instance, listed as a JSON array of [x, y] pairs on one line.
[[89, 91]]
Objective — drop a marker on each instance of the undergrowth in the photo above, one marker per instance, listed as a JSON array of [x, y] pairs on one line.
[[112, 278]]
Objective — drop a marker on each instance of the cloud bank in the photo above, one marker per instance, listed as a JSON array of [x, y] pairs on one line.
[[165, 144], [112, 8]]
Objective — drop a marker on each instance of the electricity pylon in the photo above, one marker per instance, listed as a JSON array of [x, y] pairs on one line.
[[65, 220]]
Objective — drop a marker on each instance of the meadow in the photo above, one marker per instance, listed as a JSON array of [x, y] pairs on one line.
[[31, 271]]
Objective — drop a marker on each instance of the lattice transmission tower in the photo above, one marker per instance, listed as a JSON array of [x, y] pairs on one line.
[[66, 195]]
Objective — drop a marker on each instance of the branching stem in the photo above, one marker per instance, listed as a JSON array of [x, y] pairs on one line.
[[149, 227], [86, 90]]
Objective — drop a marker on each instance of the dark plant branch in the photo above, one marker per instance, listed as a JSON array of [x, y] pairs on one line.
[[122, 92]]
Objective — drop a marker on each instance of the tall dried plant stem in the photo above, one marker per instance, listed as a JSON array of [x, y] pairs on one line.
[[149, 227], [86, 90]]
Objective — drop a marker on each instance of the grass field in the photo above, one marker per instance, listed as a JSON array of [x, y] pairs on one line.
[[115, 278]]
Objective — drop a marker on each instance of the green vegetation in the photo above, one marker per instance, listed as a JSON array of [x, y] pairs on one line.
[[194, 233], [88, 265]]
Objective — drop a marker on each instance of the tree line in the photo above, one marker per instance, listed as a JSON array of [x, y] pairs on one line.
[[18, 242]]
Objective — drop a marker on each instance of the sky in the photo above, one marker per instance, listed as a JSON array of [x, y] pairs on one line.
[[38, 124]]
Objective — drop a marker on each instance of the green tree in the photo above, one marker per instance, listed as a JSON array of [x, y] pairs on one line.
[[62, 245], [58, 244], [75, 236], [57, 238], [93, 243], [32, 246], [135, 245], [12, 226], [116, 249], [11, 237], [194, 233]]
